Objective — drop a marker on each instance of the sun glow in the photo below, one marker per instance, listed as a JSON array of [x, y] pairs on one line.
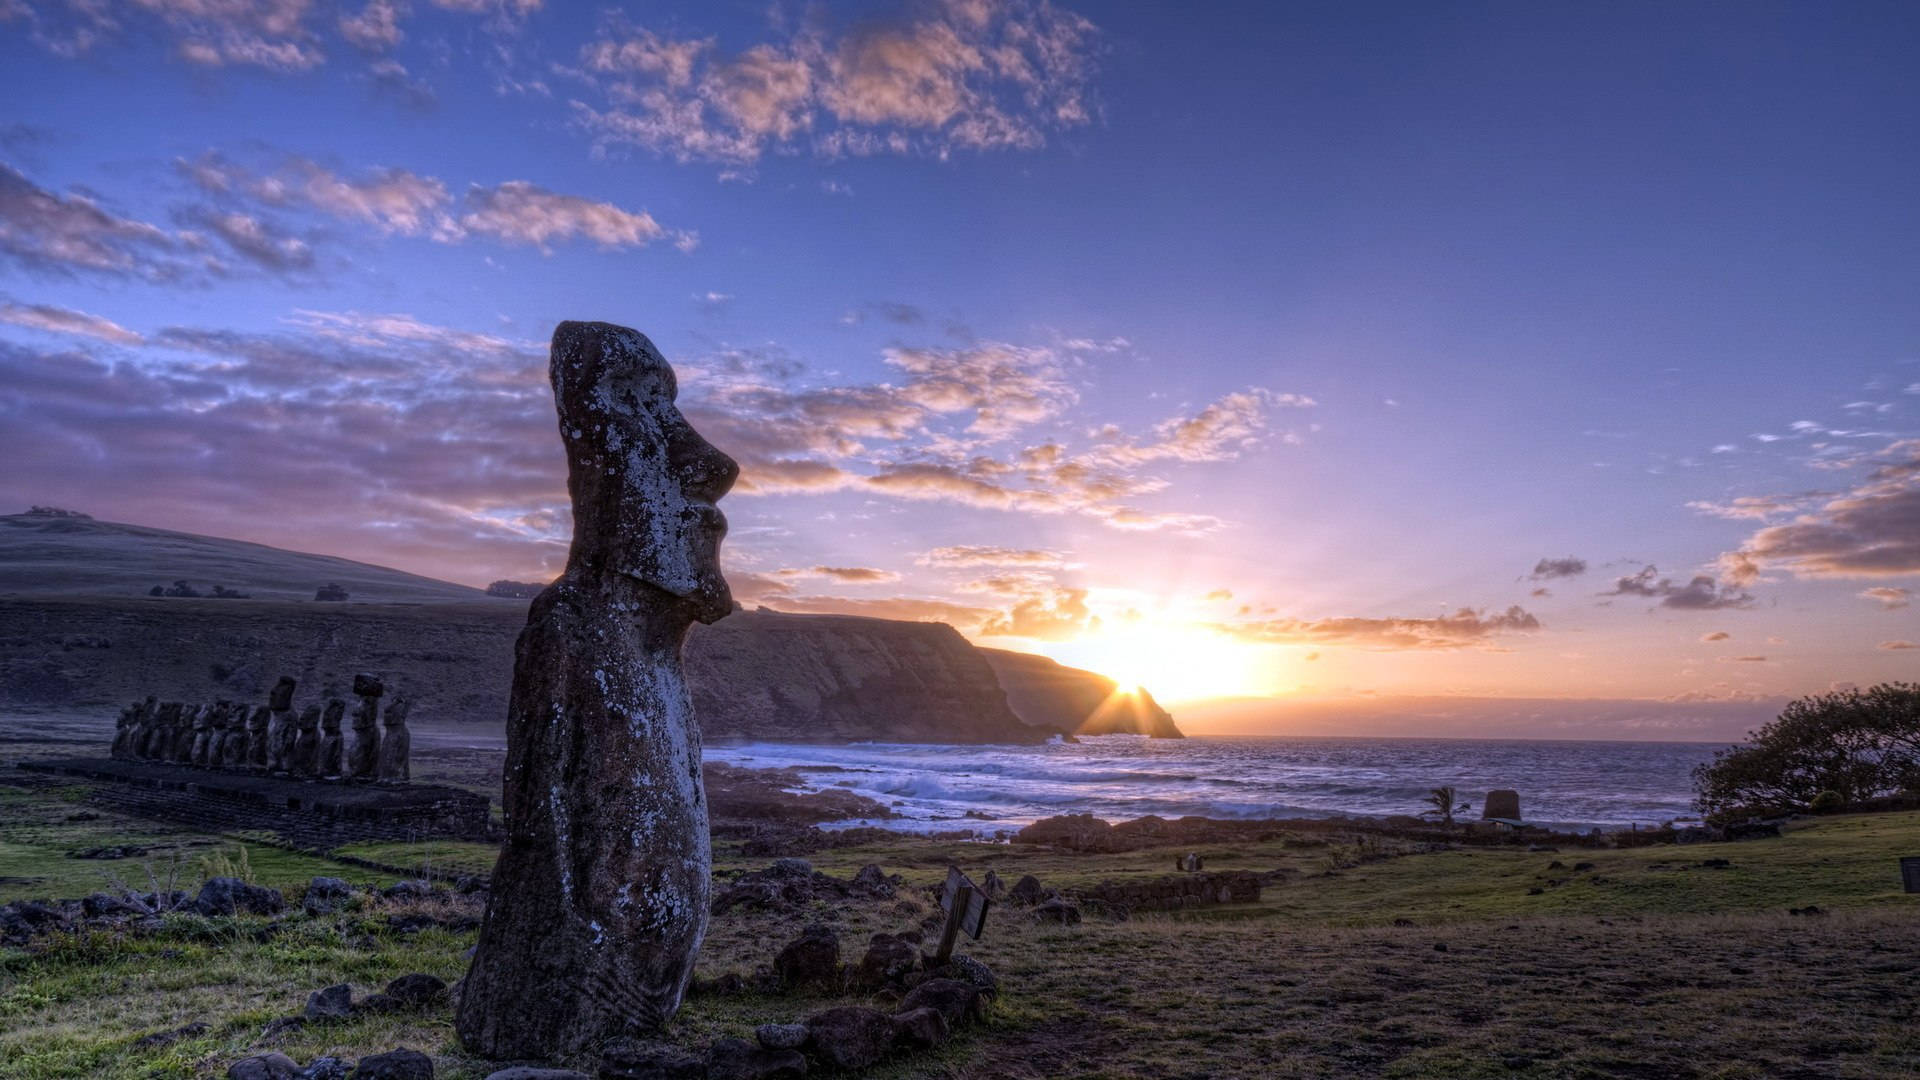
[[1172, 661]]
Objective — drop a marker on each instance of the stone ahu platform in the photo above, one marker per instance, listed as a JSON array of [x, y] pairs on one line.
[[306, 812]]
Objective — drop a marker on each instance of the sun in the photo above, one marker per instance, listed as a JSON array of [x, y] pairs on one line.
[[1172, 661]]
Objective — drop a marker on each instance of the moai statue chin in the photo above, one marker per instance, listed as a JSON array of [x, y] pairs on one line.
[[395, 743], [599, 899]]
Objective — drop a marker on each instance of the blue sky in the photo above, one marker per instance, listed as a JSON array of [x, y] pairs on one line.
[[1057, 322]]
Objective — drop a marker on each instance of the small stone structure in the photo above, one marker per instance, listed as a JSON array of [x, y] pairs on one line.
[[1504, 803], [267, 739], [1173, 893]]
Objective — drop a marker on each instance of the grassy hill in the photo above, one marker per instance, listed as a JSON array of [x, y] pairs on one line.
[[49, 555]]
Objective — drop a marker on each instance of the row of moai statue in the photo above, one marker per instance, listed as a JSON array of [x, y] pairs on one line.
[[270, 739]]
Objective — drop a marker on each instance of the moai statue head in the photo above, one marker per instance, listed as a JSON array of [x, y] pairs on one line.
[[396, 714], [368, 686], [280, 698], [330, 718], [310, 718], [257, 723], [202, 718], [615, 395], [220, 716]]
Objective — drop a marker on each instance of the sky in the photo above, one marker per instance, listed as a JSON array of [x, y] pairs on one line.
[[1519, 350]]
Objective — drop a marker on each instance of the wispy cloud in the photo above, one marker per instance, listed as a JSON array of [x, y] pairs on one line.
[[1872, 530], [1465, 628], [1702, 592]]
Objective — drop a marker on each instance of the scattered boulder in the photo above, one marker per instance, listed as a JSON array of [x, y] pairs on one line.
[[812, 958], [738, 1059], [642, 1059], [282, 1025], [781, 1036], [231, 896], [326, 1068], [1026, 892], [871, 883], [375, 1004], [417, 991], [921, 1029], [851, 1036], [324, 895], [958, 1002], [1057, 910], [888, 961], [269, 1066], [790, 885], [394, 1065], [331, 1003], [968, 970]]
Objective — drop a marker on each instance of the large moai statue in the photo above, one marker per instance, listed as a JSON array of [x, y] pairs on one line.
[[203, 733], [256, 746], [395, 743], [300, 761], [277, 748], [363, 760], [234, 752], [123, 730], [599, 898], [155, 739], [180, 739], [329, 757]]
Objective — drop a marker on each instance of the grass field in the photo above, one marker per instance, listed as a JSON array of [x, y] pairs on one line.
[[1363, 960]]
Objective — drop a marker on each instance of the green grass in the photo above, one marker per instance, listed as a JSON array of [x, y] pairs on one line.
[[1646, 965]]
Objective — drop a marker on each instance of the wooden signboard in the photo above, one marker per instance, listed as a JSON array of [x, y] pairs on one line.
[[966, 906]]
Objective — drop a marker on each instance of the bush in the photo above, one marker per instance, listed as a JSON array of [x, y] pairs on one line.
[[1826, 802], [1854, 745]]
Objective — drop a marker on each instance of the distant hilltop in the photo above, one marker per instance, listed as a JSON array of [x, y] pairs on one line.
[[82, 631]]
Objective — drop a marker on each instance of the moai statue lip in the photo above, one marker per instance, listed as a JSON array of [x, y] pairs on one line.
[[600, 896]]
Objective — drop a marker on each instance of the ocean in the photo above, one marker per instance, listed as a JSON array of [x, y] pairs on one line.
[[1566, 785]]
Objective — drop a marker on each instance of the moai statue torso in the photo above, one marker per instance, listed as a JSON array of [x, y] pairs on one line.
[[203, 733], [258, 725], [237, 750], [154, 739], [329, 759], [599, 899], [180, 738], [277, 749], [363, 758], [123, 733], [395, 742], [306, 743]]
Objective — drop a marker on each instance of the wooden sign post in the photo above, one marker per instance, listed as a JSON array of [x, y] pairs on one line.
[[966, 906]]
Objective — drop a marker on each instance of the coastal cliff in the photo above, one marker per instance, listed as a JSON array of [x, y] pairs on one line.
[[1070, 701]]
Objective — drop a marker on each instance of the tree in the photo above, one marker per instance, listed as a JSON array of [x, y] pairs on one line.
[[1858, 744], [1440, 802]]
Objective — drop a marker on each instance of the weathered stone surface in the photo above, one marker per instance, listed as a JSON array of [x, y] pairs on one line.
[[600, 895], [738, 1059], [969, 970], [1504, 803], [283, 733], [326, 1068], [851, 1036], [229, 896], [394, 1065], [922, 1028], [331, 1003], [781, 1036], [958, 1002], [1027, 891], [812, 959], [303, 755], [395, 742], [888, 962], [324, 895], [259, 724], [270, 1066]]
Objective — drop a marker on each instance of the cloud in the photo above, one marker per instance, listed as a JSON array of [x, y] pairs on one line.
[[397, 201], [1055, 615], [971, 555], [1887, 596], [1717, 635], [1548, 569], [1757, 507], [1218, 595], [255, 239], [49, 232], [964, 75], [1896, 645], [1701, 592], [1218, 432], [61, 320], [1872, 530], [1465, 628], [845, 575]]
